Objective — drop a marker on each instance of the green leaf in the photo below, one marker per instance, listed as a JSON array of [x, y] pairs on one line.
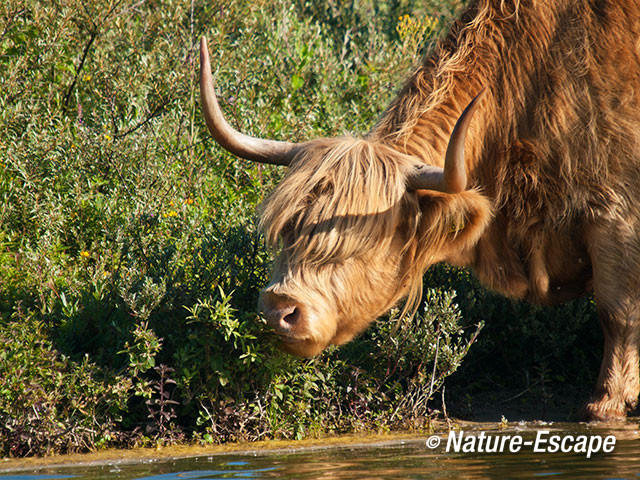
[[296, 82]]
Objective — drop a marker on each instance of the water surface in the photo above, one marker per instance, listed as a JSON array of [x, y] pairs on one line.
[[405, 459]]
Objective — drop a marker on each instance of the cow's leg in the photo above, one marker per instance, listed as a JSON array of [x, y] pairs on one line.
[[618, 383], [616, 281]]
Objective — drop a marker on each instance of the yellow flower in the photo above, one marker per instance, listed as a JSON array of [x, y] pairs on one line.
[[412, 31], [171, 204], [86, 78], [188, 201], [107, 137], [172, 213], [85, 254]]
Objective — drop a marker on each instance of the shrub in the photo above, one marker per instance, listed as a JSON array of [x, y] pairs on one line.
[[382, 380], [49, 403]]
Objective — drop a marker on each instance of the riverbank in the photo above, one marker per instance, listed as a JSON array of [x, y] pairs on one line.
[[623, 431], [164, 453]]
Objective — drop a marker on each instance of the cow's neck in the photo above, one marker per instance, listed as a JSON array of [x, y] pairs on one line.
[[474, 55]]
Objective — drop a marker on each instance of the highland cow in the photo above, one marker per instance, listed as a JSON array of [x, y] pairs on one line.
[[543, 206]]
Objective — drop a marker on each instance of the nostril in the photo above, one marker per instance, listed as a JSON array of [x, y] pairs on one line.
[[292, 318], [281, 312]]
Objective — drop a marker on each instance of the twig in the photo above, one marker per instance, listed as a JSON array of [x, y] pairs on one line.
[[444, 409], [92, 37], [93, 34], [153, 115], [435, 365]]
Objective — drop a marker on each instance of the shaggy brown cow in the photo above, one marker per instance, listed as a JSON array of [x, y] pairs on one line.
[[549, 210]]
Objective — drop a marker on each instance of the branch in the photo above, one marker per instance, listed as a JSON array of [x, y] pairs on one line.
[[92, 37], [151, 116]]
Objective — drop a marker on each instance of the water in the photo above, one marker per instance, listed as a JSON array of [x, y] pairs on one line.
[[406, 459]]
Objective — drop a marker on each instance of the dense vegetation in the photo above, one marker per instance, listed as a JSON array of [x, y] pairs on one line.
[[130, 260]]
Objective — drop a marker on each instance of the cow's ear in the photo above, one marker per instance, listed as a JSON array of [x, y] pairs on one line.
[[453, 223]]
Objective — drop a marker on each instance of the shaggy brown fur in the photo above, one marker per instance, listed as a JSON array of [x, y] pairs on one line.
[[553, 158]]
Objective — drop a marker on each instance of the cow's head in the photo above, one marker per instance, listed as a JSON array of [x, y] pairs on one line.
[[359, 222]]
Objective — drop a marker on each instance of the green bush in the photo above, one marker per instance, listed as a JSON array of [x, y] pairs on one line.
[[383, 380], [49, 403]]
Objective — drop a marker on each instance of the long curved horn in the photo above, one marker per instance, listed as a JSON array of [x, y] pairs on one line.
[[453, 177], [250, 148]]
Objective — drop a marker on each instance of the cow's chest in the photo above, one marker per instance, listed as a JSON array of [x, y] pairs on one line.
[[544, 267]]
